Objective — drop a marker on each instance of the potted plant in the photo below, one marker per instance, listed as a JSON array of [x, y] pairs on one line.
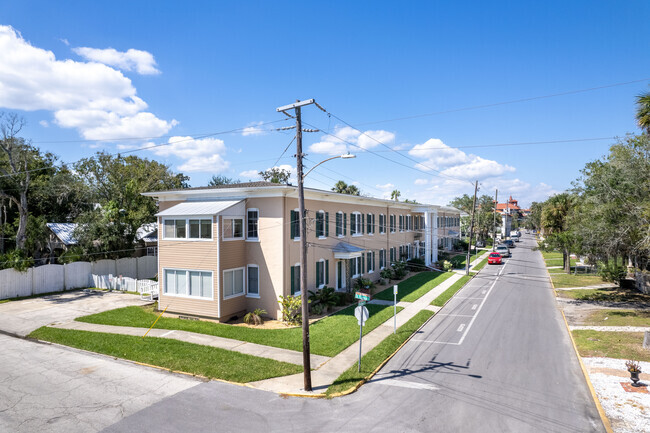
[[634, 368]]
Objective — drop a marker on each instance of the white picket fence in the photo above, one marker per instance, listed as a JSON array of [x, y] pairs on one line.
[[56, 278]]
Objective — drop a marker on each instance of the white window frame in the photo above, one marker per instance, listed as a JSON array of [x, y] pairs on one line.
[[295, 238], [248, 294], [244, 276], [253, 239], [187, 284], [340, 235], [380, 226], [372, 261], [324, 228], [356, 264], [299, 291], [243, 227], [358, 227], [322, 274], [187, 228]]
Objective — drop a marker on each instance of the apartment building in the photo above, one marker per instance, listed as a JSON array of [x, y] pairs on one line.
[[229, 249]]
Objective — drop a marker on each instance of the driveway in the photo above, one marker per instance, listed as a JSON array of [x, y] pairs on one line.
[[22, 317]]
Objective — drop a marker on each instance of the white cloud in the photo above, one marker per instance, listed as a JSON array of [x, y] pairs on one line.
[[65, 41], [250, 174], [44, 123], [385, 186], [203, 155], [97, 100], [132, 60], [477, 168], [253, 129], [421, 181], [346, 139], [437, 154]]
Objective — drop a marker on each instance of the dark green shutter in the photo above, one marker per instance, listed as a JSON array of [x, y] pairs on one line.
[[293, 279], [291, 227], [345, 224], [317, 274], [363, 222], [327, 224], [363, 263], [327, 271]]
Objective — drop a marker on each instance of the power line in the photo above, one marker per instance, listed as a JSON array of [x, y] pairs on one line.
[[513, 101]]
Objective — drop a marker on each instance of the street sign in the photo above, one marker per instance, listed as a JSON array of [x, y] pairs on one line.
[[395, 289], [362, 314], [362, 296]]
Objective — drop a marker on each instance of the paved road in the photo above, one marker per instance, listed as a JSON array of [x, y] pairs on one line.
[[498, 359], [49, 388]]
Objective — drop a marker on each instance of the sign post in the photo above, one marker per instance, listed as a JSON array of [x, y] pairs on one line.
[[362, 314], [395, 309]]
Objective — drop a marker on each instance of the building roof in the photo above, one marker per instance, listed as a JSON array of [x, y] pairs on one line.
[[343, 250], [258, 184], [190, 208], [147, 233], [64, 231]]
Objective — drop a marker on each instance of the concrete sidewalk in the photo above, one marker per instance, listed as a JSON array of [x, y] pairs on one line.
[[326, 374], [278, 354]]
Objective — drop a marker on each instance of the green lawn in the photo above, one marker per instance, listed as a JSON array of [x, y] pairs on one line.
[[176, 355], [620, 345], [451, 291], [411, 289], [581, 280], [551, 255], [559, 262], [615, 294], [459, 260], [371, 360], [329, 336], [618, 318], [481, 265]]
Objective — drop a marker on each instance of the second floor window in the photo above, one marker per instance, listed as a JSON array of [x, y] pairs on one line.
[[322, 224], [187, 228], [253, 217], [382, 223], [355, 224], [392, 223], [233, 228]]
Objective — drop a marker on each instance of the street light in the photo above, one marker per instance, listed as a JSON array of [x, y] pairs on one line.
[[345, 156]]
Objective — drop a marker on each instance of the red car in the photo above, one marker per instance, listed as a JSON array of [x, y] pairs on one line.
[[494, 259]]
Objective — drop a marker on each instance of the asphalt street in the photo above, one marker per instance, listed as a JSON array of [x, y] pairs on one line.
[[497, 358]]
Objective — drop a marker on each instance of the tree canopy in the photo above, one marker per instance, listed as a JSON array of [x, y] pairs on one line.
[[343, 188]]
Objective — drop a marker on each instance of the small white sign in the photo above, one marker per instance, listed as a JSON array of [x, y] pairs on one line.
[[395, 289], [362, 314]]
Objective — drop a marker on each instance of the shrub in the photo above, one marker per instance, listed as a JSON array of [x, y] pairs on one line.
[[399, 270], [415, 265], [16, 259], [322, 299], [387, 273], [255, 317], [612, 273], [291, 309], [445, 265], [362, 284], [343, 298]]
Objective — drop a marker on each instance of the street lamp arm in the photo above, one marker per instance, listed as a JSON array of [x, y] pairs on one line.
[[346, 156]]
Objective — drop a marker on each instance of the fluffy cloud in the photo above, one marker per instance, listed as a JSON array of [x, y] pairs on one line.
[[132, 60], [253, 129], [477, 168], [421, 181], [97, 100], [202, 155], [251, 175], [346, 139]]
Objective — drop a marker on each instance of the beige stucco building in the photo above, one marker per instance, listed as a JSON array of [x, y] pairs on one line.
[[226, 250]]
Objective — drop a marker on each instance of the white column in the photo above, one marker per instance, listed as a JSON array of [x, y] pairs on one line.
[[427, 238]]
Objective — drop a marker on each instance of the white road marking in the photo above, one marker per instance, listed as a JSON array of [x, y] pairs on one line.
[[434, 342], [461, 327], [455, 315], [465, 297], [404, 384], [483, 292], [471, 322], [474, 306]]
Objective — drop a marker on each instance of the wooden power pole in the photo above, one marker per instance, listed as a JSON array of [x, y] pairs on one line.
[[471, 230]]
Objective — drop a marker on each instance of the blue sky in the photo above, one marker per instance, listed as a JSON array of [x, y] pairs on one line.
[[87, 75]]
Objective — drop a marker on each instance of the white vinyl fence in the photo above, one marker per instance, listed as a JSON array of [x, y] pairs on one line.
[[121, 274]]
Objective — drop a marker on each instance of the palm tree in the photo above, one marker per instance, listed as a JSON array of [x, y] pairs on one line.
[[343, 188], [395, 195], [643, 112], [555, 221]]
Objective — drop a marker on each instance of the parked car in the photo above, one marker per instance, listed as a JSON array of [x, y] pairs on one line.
[[503, 250], [510, 243], [494, 259], [480, 244]]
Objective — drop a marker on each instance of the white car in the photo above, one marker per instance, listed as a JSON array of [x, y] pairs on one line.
[[503, 250]]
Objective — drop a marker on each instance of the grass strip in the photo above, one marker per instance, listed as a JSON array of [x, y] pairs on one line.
[[613, 294], [373, 359], [559, 262], [561, 279], [618, 318], [451, 291], [481, 265], [175, 355], [620, 345], [551, 255], [413, 288], [328, 336], [459, 261]]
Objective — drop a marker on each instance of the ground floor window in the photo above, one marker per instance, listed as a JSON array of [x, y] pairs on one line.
[[295, 279], [187, 283], [233, 282], [253, 280], [382, 259], [355, 263], [370, 257]]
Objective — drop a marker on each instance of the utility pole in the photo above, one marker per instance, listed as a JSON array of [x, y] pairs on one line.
[[306, 361], [471, 230], [494, 223]]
